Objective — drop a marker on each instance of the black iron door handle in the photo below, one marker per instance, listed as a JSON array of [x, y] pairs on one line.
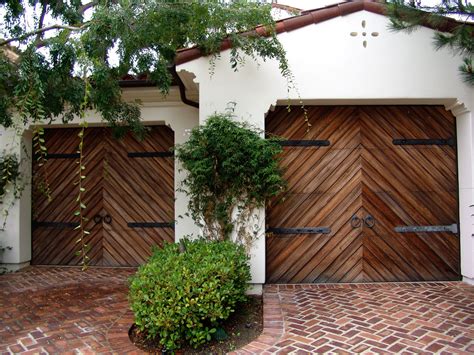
[[107, 219], [97, 218], [356, 222], [369, 221]]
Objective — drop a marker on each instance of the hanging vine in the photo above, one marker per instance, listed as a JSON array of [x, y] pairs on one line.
[[10, 184], [40, 152], [81, 207]]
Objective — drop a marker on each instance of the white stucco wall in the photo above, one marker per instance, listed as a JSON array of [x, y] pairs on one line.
[[332, 67], [181, 118]]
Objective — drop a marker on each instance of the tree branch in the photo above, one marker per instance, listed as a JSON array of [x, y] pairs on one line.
[[87, 6], [41, 21], [42, 30]]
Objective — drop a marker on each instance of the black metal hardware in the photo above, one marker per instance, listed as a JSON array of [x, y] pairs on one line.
[[150, 225], [97, 218], [62, 156], [55, 225], [150, 154], [107, 219], [449, 141], [452, 228], [369, 221], [304, 230], [305, 143], [356, 222]]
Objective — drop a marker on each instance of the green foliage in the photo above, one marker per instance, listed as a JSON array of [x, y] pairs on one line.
[[409, 15], [182, 296], [11, 184], [9, 173], [146, 36], [229, 166]]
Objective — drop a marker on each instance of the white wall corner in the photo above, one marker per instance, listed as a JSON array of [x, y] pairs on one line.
[[465, 147], [256, 289], [468, 280]]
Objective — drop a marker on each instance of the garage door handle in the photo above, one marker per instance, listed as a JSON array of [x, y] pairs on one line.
[[107, 219], [369, 221], [356, 222], [97, 218]]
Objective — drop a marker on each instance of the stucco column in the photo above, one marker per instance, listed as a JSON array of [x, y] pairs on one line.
[[185, 225], [17, 233], [465, 146], [256, 117]]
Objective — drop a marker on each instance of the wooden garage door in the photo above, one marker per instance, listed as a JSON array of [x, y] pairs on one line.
[[372, 196], [129, 197]]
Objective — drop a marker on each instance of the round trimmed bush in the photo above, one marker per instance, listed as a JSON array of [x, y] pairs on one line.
[[184, 291]]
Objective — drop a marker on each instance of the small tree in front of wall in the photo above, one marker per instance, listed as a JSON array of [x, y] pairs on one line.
[[231, 171]]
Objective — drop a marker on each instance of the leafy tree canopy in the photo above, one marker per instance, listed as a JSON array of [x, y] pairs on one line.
[[62, 42], [409, 14]]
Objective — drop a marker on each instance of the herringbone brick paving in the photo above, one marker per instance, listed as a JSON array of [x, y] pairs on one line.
[[64, 310], [369, 318]]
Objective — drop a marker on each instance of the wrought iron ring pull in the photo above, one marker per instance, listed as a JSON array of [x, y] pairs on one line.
[[97, 218], [356, 222], [369, 221], [107, 219]]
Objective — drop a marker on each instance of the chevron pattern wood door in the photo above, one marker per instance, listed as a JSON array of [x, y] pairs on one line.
[[138, 189], [360, 174], [122, 190]]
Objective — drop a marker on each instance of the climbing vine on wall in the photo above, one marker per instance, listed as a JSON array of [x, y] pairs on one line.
[[231, 171], [11, 184]]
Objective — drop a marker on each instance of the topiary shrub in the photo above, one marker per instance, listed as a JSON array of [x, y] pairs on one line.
[[181, 296]]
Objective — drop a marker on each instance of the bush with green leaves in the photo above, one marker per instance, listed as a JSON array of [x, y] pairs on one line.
[[230, 167], [185, 290]]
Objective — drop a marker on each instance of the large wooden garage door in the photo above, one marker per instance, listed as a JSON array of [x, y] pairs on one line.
[[372, 196], [129, 197]]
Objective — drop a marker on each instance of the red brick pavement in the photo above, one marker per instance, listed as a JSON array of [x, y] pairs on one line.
[[369, 318], [58, 310], [64, 310]]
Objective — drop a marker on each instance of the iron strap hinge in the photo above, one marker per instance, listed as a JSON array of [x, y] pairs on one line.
[[55, 225], [304, 143], [452, 228], [150, 154], [450, 142], [150, 225], [302, 230], [62, 155]]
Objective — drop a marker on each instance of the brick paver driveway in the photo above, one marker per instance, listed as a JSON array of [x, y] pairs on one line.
[[54, 310], [375, 318]]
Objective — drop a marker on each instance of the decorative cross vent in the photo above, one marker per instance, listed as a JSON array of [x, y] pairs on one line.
[[364, 34]]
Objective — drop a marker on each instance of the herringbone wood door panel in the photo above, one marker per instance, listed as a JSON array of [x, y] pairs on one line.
[[362, 173], [138, 190], [53, 235], [121, 190]]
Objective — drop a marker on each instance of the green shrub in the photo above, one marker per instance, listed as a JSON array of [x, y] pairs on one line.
[[182, 296]]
